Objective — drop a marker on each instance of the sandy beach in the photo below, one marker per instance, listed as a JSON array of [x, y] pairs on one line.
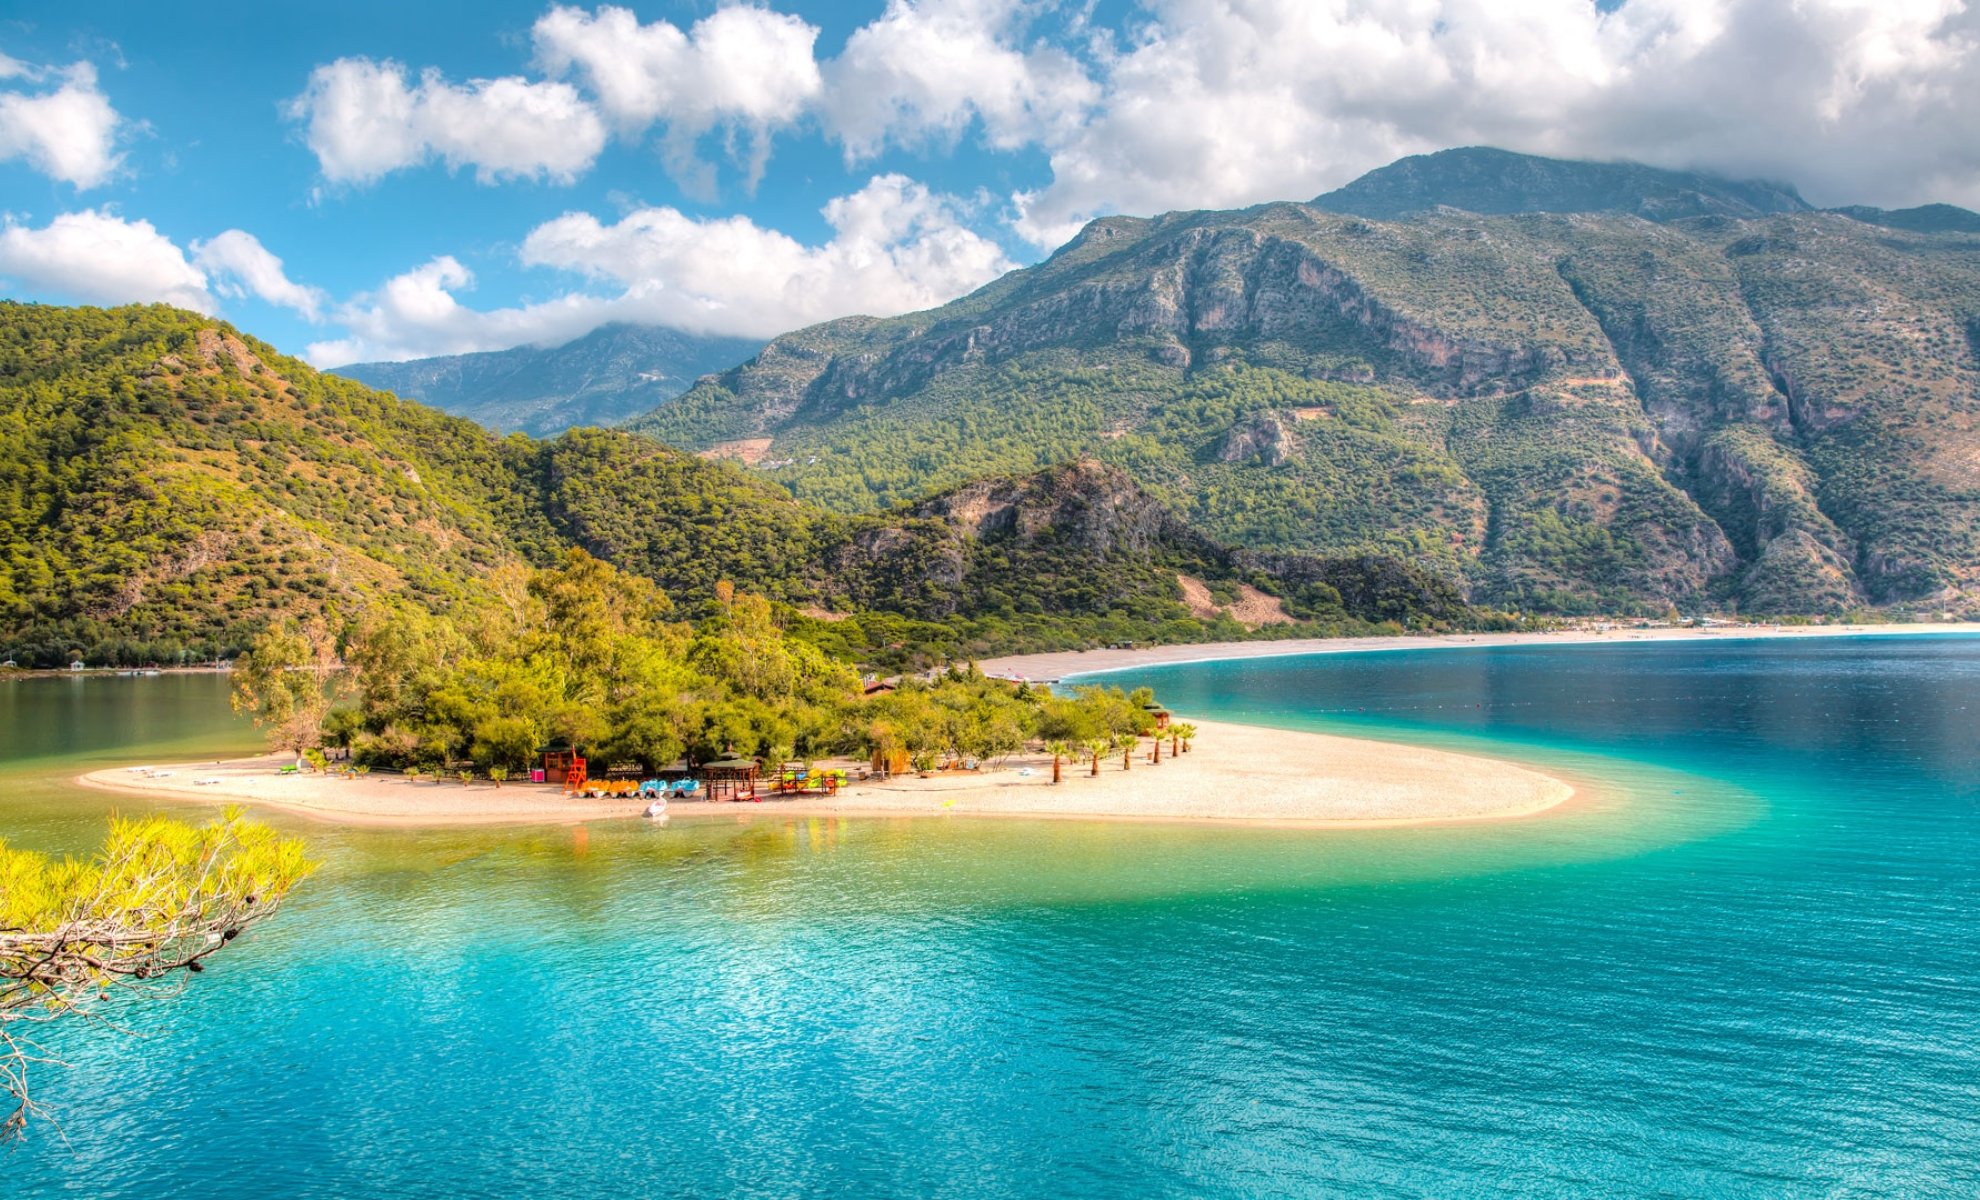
[[1235, 773], [1061, 664]]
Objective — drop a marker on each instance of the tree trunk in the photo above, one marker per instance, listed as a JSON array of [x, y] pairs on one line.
[[1158, 750], [1096, 764], [1127, 756], [1055, 768]]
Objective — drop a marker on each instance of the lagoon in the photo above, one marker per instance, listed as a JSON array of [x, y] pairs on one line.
[[1746, 966]]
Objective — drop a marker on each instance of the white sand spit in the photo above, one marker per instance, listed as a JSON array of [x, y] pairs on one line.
[[1236, 773]]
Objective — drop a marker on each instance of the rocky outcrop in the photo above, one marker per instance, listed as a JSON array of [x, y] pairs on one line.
[[1084, 506], [1267, 438]]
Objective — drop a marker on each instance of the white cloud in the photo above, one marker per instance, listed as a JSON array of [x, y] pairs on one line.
[[741, 68], [96, 257], [1219, 103], [924, 70], [69, 133], [240, 265], [365, 118], [415, 315], [896, 247]]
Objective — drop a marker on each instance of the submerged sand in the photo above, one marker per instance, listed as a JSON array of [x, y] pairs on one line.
[[1061, 664], [1235, 773]]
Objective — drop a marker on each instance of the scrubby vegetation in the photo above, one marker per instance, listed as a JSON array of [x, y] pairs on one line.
[[585, 655], [166, 486], [172, 487], [1566, 413]]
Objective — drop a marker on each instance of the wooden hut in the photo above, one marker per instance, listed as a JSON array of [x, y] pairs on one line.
[[1162, 715], [561, 763], [730, 778]]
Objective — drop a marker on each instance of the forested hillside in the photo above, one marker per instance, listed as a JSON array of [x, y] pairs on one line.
[[168, 485], [1740, 404]]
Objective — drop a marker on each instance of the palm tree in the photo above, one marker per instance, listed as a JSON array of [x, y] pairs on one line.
[[1095, 747], [1183, 734], [1057, 750], [1127, 742]]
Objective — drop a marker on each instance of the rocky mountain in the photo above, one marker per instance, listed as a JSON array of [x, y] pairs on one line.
[[168, 485], [602, 378], [1742, 403], [1926, 218], [1480, 179]]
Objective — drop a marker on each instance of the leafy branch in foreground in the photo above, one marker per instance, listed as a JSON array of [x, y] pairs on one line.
[[77, 935]]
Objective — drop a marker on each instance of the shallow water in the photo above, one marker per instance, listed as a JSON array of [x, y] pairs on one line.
[[1745, 966]]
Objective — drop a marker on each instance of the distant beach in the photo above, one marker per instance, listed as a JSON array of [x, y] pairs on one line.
[[1235, 773], [1066, 663]]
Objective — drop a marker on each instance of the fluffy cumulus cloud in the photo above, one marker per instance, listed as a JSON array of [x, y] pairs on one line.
[[364, 118], [741, 68], [924, 71], [97, 257], [1230, 102], [59, 122], [240, 265], [1198, 103], [896, 246]]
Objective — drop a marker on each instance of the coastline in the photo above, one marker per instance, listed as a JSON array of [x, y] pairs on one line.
[[1235, 774], [1057, 665]]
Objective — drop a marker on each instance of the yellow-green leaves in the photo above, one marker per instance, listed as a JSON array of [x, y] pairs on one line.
[[159, 898]]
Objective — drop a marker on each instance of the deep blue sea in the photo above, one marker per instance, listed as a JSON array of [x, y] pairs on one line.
[[1746, 964]]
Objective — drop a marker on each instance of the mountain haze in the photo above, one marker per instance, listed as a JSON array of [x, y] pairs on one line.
[[610, 374], [1743, 403]]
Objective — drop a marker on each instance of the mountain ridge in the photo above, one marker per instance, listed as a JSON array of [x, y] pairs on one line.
[[1489, 181], [169, 485], [1572, 412], [605, 376]]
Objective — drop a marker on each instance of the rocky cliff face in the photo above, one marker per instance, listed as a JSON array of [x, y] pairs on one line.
[[1739, 403], [1084, 506]]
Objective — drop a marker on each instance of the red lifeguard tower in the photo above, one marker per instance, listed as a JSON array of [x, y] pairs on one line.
[[564, 766]]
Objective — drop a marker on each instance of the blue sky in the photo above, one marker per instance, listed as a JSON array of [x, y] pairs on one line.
[[442, 177]]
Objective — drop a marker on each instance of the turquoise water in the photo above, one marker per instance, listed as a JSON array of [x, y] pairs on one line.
[[1746, 965]]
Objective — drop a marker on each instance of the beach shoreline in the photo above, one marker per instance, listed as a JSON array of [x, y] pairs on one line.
[[1053, 666], [1244, 775]]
